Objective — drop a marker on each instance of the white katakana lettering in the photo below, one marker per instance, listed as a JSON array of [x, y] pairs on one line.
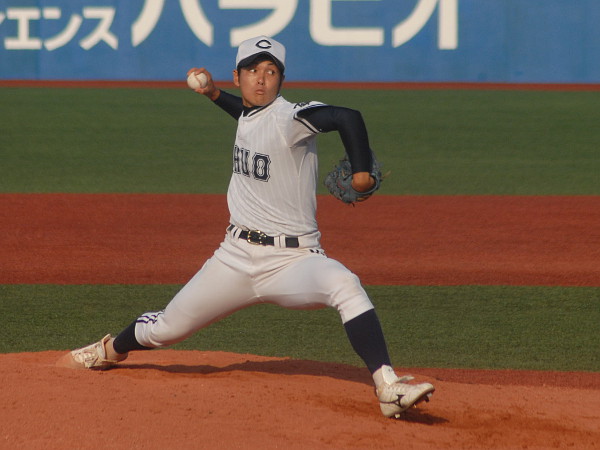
[[146, 21], [280, 17], [281, 13], [197, 21], [447, 23], [65, 36], [324, 33], [23, 41], [102, 31]]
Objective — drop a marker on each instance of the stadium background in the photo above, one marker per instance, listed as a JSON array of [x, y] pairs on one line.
[[103, 215], [535, 41]]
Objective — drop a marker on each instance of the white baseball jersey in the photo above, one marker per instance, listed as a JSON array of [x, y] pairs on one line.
[[271, 251], [272, 190], [275, 171]]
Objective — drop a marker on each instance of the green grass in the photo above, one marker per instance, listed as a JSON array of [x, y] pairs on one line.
[[433, 142], [496, 327]]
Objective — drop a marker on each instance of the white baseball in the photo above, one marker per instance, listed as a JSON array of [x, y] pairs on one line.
[[197, 81]]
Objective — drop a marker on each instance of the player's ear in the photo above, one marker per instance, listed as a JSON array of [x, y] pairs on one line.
[[236, 78]]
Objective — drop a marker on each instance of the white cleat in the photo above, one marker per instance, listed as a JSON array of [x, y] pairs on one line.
[[396, 395], [91, 357]]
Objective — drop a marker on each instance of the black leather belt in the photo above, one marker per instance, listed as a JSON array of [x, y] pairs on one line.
[[257, 237]]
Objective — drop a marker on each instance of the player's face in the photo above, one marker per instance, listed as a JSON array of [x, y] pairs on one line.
[[259, 83]]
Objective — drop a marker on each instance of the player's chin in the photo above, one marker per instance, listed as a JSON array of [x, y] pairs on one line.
[[260, 99]]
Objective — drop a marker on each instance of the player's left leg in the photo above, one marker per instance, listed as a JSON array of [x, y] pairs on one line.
[[310, 279], [394, 393]]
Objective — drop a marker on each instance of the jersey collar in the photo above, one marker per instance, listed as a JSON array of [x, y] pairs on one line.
[[251, 111]]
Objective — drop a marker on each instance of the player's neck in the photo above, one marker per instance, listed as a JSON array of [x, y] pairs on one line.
[[249, 109]]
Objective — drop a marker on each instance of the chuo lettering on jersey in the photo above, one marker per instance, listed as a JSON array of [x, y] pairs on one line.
[[260, 164]]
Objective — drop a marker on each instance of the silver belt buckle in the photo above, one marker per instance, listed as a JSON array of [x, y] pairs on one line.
[[256, 237]]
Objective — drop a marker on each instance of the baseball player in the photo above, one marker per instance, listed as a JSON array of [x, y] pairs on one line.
[[271, 251]]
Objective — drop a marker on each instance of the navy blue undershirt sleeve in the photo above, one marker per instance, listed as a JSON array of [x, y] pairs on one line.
[[230, 103], [350, 125]]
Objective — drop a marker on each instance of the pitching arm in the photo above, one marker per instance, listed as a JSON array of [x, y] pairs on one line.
[[230, 103]]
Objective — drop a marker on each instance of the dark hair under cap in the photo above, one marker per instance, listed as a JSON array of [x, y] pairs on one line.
[[259, 57]]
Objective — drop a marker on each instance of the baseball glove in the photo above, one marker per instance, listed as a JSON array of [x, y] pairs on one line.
[[339, 181]]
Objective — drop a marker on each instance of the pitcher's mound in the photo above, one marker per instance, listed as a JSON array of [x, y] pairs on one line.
[[169, 399]]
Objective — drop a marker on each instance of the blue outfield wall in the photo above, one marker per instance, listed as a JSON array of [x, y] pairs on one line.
[[518, 41]]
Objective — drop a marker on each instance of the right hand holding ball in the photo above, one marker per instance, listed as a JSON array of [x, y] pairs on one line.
[[197, 81]]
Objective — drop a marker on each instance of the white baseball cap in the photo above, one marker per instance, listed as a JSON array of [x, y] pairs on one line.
[[250, 49]]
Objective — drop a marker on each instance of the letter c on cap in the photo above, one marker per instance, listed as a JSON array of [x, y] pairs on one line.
[[264, 44]]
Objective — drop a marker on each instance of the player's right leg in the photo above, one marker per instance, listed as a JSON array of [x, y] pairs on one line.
[[99, 355]]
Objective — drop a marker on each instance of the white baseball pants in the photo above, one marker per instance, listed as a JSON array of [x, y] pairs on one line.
[[241, 274]]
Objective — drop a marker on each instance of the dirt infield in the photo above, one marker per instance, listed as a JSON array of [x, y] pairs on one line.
[[213, 400], [453, 240]]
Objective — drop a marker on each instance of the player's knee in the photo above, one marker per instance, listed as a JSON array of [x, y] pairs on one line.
[[347, 284], [342, 278], [349, 297], [159, 332]]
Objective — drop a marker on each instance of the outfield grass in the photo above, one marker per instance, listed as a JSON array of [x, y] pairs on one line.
[[497, 327], [433, 142]]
